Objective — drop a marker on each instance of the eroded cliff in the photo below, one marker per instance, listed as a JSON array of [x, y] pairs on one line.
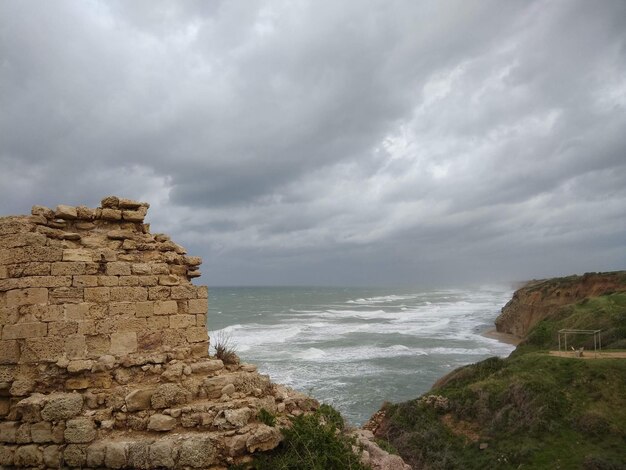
[[540, 299]]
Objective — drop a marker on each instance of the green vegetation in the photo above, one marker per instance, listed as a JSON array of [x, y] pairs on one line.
[[531, 410], [606, 312], [225, 349], [313, 442], [266, 417]]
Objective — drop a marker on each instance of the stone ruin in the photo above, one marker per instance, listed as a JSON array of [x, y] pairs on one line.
[[104, 356]]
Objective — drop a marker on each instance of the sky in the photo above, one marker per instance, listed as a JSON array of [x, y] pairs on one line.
[[330, 143]]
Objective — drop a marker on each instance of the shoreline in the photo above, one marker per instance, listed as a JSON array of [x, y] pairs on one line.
[[502, 337]]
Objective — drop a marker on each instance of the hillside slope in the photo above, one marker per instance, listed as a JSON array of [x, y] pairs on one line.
[[540, 299], [531, 410]]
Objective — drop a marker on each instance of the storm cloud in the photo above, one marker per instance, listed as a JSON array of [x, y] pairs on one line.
[[332, 143]]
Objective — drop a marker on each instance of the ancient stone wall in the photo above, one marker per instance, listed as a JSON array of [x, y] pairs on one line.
[[104, 350]]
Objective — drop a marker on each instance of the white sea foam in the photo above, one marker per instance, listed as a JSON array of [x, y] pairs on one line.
[[357, 351]]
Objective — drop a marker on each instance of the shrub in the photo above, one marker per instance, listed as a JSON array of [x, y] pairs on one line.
[[225, 348], [313, 442], [266, 417]]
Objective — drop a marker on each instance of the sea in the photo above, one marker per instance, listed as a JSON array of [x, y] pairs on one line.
[[355, 348]]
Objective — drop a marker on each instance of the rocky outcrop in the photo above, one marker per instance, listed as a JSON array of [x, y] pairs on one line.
[[540, 299], [104, 350]]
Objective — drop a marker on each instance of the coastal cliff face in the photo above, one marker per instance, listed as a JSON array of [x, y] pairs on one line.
[[538, 300], [104, 350]]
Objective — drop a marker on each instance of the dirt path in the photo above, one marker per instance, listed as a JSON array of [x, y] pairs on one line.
[[591, 354]]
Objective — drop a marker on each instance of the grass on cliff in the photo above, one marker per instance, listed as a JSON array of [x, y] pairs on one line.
[[533, 410], [312, 442], [606, 313]]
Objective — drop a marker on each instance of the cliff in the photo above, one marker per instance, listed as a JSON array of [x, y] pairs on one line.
[[538, 300], [534, 409], [104, 351]]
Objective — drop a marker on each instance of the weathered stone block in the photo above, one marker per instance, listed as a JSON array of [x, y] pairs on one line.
[[201, 320], [184, 292], [162, 454], [207, 366], [41, 432], [196, 334], [122, 308], [108, 281], [263, 438], [202, 292], [22, 387], [95, 455], [118, 268], [23, 434], [9, 352], [115, 454], [167, 395], [28, 456], [7, 455], [111, 214], [45, 349], [79, 365], [67, 268], [80, 430], [52, 456], [159, 323], [22, 239], [78, 383], [165, 307], [85, 213], [98, 294], [129, 294], [30, 254], [159, 293], [75, 347], [139, 399], [85, 281], [62, 328], [24, 330], [138, 455], [123, 343], [129, 281], [29, 409], [62, 406], [98, 346], [169, 280], [66, 295], [17, 297], [77, 254], [160, 422], [65, 212], [198, 306], [8, 431], [145, 309], [182, 321], [75, 455], [150, 340], [76, 312], [196, 452]]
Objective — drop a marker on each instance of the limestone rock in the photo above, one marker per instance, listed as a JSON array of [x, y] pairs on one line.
[[139, 399], [62, 406], [263, 438], [160, 422], [80, 430], [196, 452], [167, 395]]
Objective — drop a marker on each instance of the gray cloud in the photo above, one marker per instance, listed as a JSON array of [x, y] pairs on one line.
[[330, 142]]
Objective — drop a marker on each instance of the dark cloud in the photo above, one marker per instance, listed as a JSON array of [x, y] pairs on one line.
[[330, 142]]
